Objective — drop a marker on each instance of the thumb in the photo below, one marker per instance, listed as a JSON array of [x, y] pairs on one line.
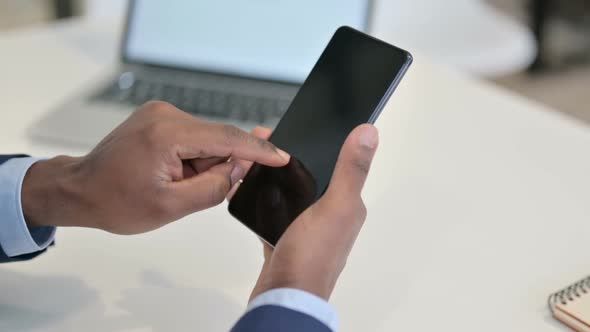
[[353, 163], [207, 189]]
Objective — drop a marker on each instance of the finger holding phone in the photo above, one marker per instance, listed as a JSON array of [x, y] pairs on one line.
[[311, 210], [313, 251]]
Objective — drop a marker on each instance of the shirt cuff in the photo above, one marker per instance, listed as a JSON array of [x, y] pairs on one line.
[[15, 237], [301, 301]]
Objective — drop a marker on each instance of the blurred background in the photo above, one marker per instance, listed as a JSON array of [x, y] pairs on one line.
[[537, 48]]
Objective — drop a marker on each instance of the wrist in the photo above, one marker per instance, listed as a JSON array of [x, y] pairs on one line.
[[49, 196]]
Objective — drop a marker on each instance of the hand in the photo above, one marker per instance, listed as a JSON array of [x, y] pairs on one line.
[[313, 251], [160, 165]]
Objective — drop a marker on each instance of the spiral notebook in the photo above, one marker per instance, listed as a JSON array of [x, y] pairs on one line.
[[571, 305]]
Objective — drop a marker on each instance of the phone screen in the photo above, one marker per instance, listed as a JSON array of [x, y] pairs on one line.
[[348, 86]]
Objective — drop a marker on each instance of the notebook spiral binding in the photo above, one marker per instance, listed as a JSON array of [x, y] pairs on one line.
[[570, 293]]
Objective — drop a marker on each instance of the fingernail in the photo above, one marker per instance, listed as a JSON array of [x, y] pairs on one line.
[[284, 154], [369, 138], [236, 174]]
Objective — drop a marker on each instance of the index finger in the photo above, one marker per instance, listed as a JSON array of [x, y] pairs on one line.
[[223, 140], [262, 133]]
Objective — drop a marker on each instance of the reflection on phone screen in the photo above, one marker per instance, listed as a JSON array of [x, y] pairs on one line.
[[278, 195]]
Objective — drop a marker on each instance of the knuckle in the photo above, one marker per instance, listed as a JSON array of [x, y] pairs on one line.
[[153, 133], [361, 211], [234, 134], [156, 106], [231, 132], [264, 144], [218, 191]]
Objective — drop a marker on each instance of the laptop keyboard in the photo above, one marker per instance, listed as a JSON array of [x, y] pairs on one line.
[[197, 101]]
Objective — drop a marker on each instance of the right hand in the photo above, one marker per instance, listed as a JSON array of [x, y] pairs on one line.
[[158, 166], [313, 251]]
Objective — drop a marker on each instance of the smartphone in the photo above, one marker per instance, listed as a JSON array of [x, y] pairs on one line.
[[349, 85]]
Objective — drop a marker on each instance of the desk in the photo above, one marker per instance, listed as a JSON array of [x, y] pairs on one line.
[[478, 208]]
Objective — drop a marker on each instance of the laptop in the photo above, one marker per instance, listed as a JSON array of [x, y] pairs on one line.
[[232, 61]]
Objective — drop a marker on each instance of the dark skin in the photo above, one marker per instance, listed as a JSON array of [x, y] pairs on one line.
[[158, 166], [312, 253], [162, 164]]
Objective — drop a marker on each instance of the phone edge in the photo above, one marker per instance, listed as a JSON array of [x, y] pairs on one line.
[[392, 87]]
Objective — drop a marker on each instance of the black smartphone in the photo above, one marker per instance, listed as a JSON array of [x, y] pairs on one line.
[[349, 85]]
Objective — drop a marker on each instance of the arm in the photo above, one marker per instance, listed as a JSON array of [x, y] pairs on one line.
[[300, 273], [158, 166], [17, 241]]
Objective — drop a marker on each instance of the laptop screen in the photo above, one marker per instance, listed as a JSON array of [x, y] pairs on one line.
[[266, 39]]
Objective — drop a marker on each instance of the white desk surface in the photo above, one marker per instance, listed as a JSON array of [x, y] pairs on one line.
[[479, 206]]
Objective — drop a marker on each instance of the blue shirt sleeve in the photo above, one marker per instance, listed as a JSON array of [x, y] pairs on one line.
[[288, 309], [278, 319], [16, 238], [300, 301]]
